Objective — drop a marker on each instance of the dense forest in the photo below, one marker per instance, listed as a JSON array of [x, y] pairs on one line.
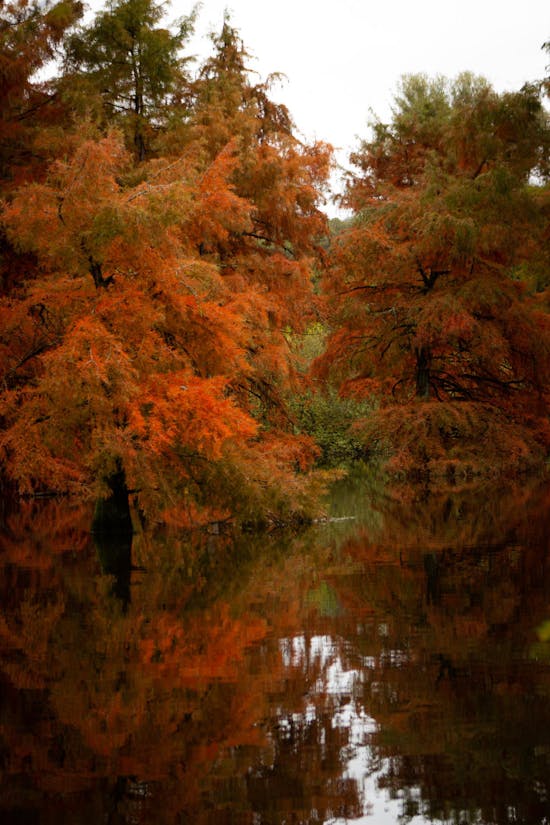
[[181, 324]]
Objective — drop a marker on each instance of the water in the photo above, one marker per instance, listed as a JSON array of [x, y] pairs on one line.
[[389, 666]]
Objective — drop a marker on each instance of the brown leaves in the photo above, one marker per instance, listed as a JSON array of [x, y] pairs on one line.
[[152, 331], [425, 298]]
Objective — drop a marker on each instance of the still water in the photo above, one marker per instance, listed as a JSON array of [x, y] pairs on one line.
[[389, 666]]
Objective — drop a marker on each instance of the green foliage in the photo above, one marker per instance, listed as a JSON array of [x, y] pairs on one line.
[[543, 631], [324, 599], [133, 63], [308, 345], [337, 225], [331, 421], [325, 416]]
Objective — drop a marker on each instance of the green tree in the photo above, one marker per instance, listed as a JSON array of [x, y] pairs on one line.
[[133, 63]]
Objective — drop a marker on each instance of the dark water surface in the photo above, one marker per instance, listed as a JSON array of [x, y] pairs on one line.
[[390, 667]]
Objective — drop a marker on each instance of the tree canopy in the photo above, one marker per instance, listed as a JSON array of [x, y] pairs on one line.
[[438, 287], [143, 333], [31, 35], [134, 64]]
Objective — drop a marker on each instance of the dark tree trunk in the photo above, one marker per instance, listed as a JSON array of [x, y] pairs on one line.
[[423, 362], [112, 514], [139, 140], [112, 529], [114, 551]]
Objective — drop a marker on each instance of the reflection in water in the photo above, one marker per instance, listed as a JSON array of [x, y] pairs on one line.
[[115, 555], [376, 670]]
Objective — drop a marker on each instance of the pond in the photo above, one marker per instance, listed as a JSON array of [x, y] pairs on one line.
[[391, 665]]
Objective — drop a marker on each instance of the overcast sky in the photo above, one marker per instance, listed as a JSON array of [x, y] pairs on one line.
[[345, 57]]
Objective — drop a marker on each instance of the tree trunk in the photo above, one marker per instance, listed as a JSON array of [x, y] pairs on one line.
[[112, 514], [423, 362], [112, 529]]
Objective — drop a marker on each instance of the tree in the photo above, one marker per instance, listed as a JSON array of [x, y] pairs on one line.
[[433, 310], [276, 259], [129, 354], [30, 35], [122, 347], [132, 63], [144, 346], [31, 113]]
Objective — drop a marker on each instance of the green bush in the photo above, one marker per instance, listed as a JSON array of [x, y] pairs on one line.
[[330, 420]]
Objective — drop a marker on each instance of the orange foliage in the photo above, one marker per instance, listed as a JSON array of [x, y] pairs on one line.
[[154, 327], [429, 286]]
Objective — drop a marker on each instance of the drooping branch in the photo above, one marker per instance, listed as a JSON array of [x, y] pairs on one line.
[[398, 384], [96, 271], [269, 241], [384, 287], [33, 353], [479, 169], [498, 383], [429, 276]]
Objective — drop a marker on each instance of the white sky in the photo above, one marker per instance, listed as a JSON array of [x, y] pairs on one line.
[[345, 57]]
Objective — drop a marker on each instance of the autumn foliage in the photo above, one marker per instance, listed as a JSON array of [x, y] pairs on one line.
[[149, 290], [439, 286]]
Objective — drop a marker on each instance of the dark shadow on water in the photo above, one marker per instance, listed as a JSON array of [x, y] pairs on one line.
[[112, 531], [112, 513], [114, 551]]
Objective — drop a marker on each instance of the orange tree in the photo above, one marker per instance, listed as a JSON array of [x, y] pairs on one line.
[[31, 36], [145, 341], [438, 286], [273, 260]]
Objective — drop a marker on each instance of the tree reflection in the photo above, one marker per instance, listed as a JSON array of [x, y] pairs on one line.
[[317, 678], [462, 714], [132, 710]]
